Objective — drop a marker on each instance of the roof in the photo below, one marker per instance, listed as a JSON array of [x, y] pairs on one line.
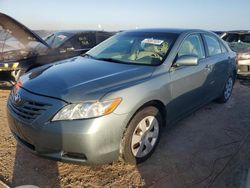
[[81, 31], [166, 30]]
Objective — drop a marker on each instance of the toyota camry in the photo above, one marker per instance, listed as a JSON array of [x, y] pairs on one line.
[[114, 102]]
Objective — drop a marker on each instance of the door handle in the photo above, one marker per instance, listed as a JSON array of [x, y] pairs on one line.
[[208, 68]]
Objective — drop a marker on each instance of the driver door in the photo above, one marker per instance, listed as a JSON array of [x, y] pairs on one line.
[[188, 83]]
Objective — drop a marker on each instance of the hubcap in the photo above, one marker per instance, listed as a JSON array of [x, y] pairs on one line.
[[229, 88], [145, 136]]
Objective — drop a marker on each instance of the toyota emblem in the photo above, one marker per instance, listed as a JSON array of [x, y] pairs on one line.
[[17, 98]]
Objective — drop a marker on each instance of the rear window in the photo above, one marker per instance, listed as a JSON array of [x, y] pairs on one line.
[[238, 42], [245, 38], [234, 37], [231, 37]]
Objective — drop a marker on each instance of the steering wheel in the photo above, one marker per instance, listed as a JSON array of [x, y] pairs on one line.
[[149, 54], [156, 55]]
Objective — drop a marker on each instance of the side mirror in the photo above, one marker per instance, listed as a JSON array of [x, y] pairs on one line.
[[187, 60]]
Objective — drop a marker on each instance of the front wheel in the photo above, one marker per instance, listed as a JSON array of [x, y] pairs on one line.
[[227, 92], [142, 135]]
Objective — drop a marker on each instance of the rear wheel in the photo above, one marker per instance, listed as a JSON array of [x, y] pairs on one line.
[[227, 92], [142, 135]]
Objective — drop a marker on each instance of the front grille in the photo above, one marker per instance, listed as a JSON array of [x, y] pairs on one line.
[[27, 110]]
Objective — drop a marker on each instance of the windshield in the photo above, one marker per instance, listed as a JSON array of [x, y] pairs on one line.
[[57, 39], [135, 48], [238, 42]]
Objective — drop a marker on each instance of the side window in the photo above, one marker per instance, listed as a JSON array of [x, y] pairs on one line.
[[86, 40], [192, 45], [71, 43], [223, 48], [213, 45]]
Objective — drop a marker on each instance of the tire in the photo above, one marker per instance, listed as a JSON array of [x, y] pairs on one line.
[[227, 91], [142, 135]]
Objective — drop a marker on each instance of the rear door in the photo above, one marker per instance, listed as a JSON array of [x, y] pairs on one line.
[[217, 58], [188, 83]]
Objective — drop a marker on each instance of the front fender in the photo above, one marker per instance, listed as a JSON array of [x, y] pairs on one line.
[[133, 97]]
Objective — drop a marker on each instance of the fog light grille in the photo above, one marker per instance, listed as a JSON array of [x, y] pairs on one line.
[[77, 156]]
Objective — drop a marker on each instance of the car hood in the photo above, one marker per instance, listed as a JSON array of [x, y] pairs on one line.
[[21, 32], [82, 79]]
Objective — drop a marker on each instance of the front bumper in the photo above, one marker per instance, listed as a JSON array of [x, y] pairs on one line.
[[89, 141], [243, 67]]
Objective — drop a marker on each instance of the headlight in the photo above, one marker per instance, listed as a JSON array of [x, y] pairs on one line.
[[87, 110]]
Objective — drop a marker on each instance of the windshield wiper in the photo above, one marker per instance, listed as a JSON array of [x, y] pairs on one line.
[[88, 56], [111, 60], [103, 59]]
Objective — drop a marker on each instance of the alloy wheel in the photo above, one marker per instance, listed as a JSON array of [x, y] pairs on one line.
[[228, 88]]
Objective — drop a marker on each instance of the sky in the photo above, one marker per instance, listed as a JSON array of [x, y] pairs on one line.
[[129, 14]]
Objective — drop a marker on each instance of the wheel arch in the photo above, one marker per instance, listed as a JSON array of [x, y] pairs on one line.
[[155, 103]]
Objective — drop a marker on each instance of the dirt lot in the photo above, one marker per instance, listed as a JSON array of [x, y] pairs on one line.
[[208, 149]]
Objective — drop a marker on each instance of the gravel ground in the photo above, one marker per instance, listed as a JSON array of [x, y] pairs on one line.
[[207, 149]]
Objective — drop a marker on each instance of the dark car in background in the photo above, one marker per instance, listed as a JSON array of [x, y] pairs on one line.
[[239, 41], [68, 44], [22, 49]]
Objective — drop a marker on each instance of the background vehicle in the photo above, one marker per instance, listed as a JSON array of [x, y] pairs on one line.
[[239, 41], [219, 33], [21, 49], [68, 44], [114, 101]]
